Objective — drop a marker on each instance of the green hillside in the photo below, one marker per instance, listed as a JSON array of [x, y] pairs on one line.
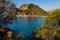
[[51, 28], [31, 9]]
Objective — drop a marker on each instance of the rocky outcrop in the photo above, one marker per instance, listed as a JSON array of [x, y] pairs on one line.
[[6, 34]]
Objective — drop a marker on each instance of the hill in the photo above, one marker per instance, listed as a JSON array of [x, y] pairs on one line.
[[31, 9]]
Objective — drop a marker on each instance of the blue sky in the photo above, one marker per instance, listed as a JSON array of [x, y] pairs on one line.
[[44, 4]]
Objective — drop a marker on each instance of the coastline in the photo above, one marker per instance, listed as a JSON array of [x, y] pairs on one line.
[[31, 16]]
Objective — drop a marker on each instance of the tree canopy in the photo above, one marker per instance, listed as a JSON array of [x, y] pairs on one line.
[[7, 12]]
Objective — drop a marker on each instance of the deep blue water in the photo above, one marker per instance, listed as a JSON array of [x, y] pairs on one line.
[[26, 25]]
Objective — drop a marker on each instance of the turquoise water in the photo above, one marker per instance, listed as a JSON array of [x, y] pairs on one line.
[[26, 25]]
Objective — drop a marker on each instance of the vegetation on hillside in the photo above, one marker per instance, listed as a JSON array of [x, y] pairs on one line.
[[51, 28], [31, 9]]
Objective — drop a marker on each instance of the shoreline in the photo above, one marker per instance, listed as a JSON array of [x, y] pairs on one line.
[[30, 16]]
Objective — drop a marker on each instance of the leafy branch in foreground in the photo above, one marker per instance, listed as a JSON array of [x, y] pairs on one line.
[[7, 12]]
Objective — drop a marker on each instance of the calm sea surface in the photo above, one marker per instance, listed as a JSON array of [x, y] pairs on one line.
[[26, 25]]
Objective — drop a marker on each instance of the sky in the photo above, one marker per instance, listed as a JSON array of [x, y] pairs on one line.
[[44, 4]]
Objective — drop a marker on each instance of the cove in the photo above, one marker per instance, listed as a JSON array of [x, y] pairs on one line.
[[26, 25]]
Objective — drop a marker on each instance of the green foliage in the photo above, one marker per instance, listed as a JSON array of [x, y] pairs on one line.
[[50, 30], [57, 34], [54, 16], [7, 11]]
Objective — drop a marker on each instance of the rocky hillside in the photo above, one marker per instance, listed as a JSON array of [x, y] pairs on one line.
[[31, 9]]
